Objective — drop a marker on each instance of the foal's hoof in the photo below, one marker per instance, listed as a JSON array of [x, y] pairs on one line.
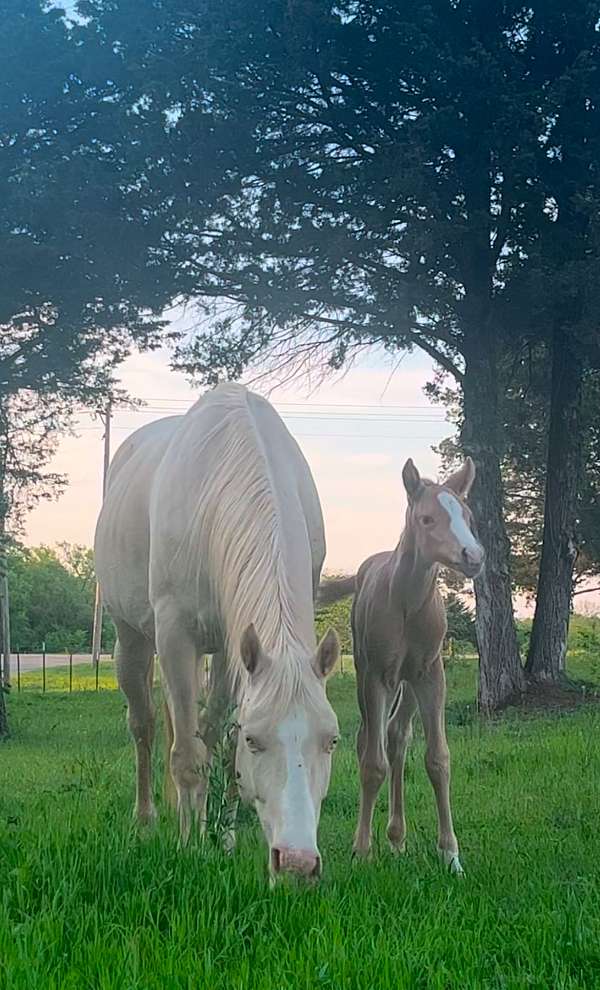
[[397, 841], [451, 861], [360, 855]]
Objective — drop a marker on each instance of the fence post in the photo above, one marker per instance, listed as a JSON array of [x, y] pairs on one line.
[[44, 667], [18, 671], [341, 663], [70, 673], [97, 670]]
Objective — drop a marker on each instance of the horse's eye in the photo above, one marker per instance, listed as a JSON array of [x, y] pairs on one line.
[[427, 520], [251, 744]]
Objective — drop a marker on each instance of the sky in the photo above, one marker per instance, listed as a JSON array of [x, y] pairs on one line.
[[356, 431]]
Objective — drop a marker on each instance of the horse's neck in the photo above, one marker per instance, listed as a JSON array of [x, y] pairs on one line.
[[413, 582]]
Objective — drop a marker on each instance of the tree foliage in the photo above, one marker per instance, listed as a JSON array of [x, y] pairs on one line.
[[52, 599]]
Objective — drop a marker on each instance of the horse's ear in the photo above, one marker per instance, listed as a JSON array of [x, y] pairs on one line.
[[462, 480], [411, 478], [327, 655], [250, 650]]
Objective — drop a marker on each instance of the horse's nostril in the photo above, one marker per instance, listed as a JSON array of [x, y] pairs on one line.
[[302, 862]]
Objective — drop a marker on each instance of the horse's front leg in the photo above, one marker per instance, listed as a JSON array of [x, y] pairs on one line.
[[219, 732], [188, 757]]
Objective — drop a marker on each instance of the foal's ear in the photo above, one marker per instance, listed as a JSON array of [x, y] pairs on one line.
[[250, 649], [462, 480], [411, 478], [327, 655]]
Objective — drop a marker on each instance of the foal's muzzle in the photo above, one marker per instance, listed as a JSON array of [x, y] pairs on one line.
[[472, 563]]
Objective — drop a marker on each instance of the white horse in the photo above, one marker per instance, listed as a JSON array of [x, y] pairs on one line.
[[211, 540]]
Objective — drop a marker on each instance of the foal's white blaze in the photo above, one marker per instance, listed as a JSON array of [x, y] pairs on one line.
[[298, 827], [459, 528]]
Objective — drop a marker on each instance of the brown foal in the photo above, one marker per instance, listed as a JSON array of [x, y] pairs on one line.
[[398, 627]]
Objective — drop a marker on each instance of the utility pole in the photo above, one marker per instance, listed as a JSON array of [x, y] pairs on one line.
[[4, 601], [97, 633]]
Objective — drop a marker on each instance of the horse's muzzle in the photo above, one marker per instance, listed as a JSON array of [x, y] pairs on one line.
[[301, 862]]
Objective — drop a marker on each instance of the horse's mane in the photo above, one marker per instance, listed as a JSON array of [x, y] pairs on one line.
[[236, 537]]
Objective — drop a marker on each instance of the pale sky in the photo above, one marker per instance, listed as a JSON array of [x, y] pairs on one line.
[[356, 432]]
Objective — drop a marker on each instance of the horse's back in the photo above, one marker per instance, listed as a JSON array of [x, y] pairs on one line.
[[122, 541], [160, 494], [205, 467]]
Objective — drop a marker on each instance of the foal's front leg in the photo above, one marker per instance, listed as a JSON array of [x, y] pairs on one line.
[[398, 740], [430, 690], [371, 752]]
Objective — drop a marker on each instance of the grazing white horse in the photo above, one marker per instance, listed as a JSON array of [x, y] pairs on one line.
[[210, 540]]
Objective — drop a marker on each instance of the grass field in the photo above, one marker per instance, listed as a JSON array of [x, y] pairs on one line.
[[87, 902]]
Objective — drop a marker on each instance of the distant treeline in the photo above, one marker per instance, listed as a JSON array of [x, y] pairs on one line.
[[52, 602]]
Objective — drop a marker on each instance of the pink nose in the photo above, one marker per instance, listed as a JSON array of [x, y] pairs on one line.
[[300, 861]]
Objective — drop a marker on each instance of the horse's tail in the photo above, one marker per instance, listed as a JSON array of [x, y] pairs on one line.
[[332, 591]]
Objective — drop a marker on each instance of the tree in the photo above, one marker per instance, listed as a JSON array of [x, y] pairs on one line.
[[82, 276], [527, 413], [556, 499], [52, 599], [378, 173]]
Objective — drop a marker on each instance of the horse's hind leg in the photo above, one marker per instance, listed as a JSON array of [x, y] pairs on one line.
[[134, 660], [398, 739], [188, 761]]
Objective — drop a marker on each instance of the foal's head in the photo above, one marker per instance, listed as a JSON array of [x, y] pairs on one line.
[[440, 520], [288, 731]]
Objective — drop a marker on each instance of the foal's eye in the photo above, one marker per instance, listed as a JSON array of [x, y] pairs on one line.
[[331, 744], [427, 520]]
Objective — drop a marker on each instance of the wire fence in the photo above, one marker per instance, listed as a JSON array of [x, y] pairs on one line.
[[72, 672], [64, 672]]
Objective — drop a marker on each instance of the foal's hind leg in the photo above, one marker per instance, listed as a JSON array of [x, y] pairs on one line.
[[430, 690], [188, 763], [134, 660], [370, 746], [398, 740]]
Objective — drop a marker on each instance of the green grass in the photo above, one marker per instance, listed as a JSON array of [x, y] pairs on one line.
[[87, 902]]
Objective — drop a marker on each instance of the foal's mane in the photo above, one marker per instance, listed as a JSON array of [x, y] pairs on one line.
[[236, 537]]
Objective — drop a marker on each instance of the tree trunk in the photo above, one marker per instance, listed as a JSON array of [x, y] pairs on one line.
[[501, 677], [548, 644]]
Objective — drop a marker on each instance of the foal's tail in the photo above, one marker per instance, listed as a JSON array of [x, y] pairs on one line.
[[332, 591]]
